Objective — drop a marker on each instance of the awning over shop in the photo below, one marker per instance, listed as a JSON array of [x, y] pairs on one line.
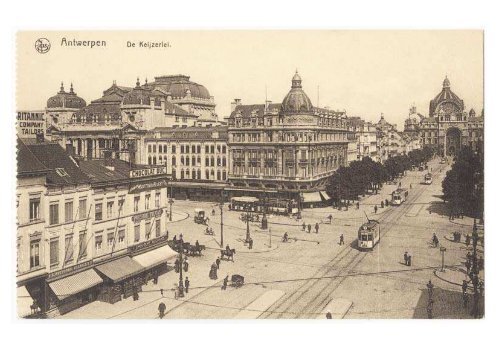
[[78, 282], [324, 195], [311, 197], [120, 269], [156, 256], [245, 199]]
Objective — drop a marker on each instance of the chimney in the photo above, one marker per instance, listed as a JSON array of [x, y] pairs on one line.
[[40, 138], [108, 160], [234, 104], [70, 149]]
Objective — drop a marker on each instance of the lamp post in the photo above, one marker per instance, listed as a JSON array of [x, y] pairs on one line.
[[181, 284], [443, 250], [170, 202], [221, 206], [247, 239]]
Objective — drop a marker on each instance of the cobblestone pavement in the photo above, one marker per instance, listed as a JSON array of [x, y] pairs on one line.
[[313, 269]]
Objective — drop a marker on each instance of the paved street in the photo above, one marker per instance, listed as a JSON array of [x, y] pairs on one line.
[[312, 270]]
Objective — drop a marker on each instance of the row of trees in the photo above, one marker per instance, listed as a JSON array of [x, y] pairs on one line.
[[463, 184], [360, 177]]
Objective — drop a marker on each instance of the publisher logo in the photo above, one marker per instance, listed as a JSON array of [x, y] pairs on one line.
[[42, 45]]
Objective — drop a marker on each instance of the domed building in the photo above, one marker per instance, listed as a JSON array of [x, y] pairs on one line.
[[449, 126], [61, 107], [190, 96], [296, 101], [284, 153]]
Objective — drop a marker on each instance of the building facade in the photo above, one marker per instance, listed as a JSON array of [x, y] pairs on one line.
[[449, 126], [84, 227], [285, 150]]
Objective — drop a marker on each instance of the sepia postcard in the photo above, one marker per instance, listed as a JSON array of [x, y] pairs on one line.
[[292, 174]]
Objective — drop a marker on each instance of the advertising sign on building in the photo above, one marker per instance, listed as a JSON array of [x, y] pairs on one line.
[[150, 171], [30, 124]]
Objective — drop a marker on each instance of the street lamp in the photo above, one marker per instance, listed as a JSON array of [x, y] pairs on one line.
[[247, 239], [170, 201], [443, 250], [181, 284], [221, 206]]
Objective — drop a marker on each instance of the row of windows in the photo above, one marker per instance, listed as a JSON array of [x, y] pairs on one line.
[[186, 174], [54, 218], [193, 161], [184, 149], [110, 209]]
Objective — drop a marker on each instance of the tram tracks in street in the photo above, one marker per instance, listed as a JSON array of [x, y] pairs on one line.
[[297, 305]]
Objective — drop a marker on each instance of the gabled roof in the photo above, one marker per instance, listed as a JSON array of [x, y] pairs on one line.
[[97, 172], [63, 170], [27, 163]]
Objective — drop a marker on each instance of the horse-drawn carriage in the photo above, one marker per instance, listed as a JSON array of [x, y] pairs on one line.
[[188, 248], [199, 216], [237, 280]]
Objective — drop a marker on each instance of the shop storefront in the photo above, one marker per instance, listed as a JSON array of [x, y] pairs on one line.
[[73, 291], [122, 278]]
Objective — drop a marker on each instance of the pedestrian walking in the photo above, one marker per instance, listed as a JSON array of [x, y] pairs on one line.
[[161, 310], [381, 204], [309, 228], [213, 271], [375, 208], [328, 315], [467, 240], [177, 266], [357, 205], [217, 262], [186, 284], [303, 226], [386, 202], [341, 241], [250, 243], [186, 264], [224, 283], [405, 257], [330, 217], [316, 227], [430, 288], [409, 260]]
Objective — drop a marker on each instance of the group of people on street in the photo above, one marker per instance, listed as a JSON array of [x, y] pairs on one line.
[[185, 264], [309, 226]]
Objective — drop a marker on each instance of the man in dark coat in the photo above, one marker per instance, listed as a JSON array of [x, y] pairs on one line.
[[224, 283], [341, 242], [405, 257], [161, 310], [186, 284], [303, 226], [217, 262], [309, 228], [250, 243], [316, 227]]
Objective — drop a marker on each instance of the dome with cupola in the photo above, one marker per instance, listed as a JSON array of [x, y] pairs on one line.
[[179, 86], [296, 101], [65, 99], [446, 100]]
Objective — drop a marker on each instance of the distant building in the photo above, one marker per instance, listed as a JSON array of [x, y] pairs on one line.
[[449, 126], [366, 139], [285, 151], [390, 141]]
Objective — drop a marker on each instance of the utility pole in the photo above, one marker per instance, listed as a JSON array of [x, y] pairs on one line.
[[443, 250], [181, 284], [221, 206]]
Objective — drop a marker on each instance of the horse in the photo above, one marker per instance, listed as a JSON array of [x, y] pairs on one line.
[[228, 253], [196, 250]]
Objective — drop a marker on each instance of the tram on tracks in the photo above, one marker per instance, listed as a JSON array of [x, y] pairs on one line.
[[428, 178], [369, 234], [399, 196]]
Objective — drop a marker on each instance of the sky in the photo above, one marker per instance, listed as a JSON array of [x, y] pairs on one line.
[[365, 73]]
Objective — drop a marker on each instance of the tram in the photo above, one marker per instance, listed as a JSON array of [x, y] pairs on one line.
[[369, 234], [428, 178], [399, 196]]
